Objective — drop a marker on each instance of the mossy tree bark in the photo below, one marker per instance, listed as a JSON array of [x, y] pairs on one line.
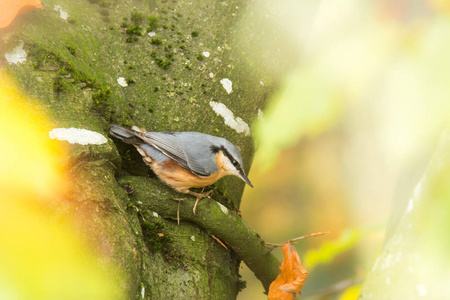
[[76, 51]]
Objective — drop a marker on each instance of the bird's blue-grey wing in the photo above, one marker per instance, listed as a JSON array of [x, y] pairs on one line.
[[151, 151], [133, 137], [189, 149]]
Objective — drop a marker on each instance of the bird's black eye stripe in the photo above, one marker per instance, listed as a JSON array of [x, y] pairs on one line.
[[216, 149]]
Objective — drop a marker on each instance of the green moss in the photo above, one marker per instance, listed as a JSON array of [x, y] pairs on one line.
[[134, 30], [130, 39], [152, 23], [194, 33], [62, 71], [83, 78], [105, 3], [155, 236], [71, 50], [101, 96], [162, 63], [44, 59], [59, 84], [104, 12], [156, 41], [136, 17], [241, 283], [199, 57]]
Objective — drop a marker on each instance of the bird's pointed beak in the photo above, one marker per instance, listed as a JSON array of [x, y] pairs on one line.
[[245, 178]]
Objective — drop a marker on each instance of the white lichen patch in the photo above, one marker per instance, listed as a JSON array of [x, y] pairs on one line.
[[260, 115], [78, 136], [227, 85], [211, 75], [261, 83], [234, 122], [206, 54], [223, 208], [16, 55], [122, 82], [62, 13], [151, 33], [193, 238], [155, 214]]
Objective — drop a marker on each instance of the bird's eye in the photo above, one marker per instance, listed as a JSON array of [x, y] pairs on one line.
[[234, 162]]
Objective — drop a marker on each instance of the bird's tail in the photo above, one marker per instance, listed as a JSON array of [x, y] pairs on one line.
[[126, 135]]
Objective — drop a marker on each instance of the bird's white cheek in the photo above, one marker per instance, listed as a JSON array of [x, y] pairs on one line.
[[228, 166]]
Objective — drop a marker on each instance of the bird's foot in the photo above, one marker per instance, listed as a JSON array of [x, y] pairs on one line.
[[199, 196]]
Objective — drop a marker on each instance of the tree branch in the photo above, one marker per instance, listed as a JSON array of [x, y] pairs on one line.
[[214, 218]]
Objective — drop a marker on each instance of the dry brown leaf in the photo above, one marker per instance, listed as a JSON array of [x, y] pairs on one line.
[[292, 277], [11, 8]]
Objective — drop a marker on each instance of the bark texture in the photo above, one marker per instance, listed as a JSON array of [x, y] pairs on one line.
[[76, 52]]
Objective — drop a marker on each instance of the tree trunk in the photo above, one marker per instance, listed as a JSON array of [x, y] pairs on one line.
[[414, 262], [173, 55]]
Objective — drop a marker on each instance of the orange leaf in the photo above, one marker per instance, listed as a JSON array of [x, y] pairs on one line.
[[11, 8], [292, 277]]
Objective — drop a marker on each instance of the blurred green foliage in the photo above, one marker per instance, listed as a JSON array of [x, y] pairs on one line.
[[348, 132], [330, 249]]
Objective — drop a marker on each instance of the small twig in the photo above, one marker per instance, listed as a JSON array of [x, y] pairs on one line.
[[219, 241], [140, 212], [178, 210], [272, 246]]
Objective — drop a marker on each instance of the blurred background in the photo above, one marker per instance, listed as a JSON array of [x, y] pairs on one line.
[[360, 99], [349, 131]]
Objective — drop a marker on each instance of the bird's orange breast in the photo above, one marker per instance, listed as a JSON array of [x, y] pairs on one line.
[[181, 179]]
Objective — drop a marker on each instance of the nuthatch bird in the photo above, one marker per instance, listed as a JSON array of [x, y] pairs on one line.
[[185, 160]]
